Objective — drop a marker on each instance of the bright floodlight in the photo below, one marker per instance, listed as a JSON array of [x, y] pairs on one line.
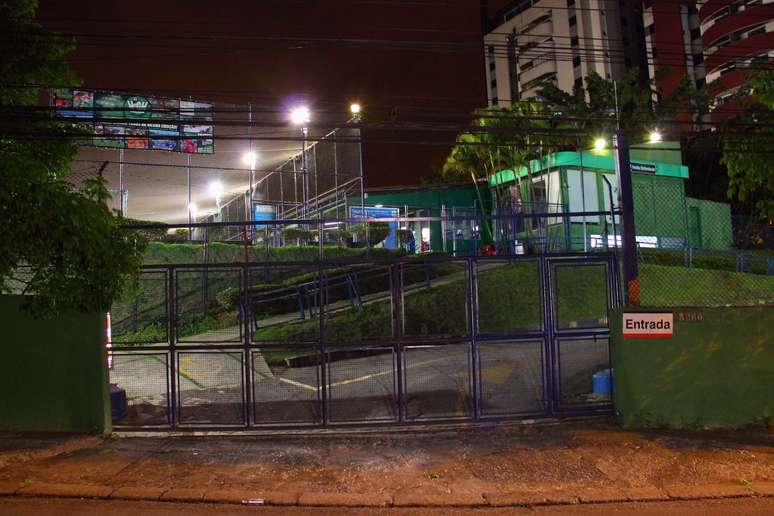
[[215, 189], [250, 158], [354, 108], [193, 209], [600, 144], [655, 136], [300, 116]]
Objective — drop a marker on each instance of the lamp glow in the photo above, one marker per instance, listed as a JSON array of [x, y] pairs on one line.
[[355, 108], [300, 116], [215, 189], [655, 136], [600, 144], [250, 158]]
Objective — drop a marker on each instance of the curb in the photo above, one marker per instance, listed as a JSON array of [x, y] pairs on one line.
[[332, 499]]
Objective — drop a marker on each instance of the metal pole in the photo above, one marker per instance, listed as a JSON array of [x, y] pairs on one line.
[[362, 183], [252, 170], [336, 178], [316, 183], [626, 203], [190, 214], [304, 178], [121, 193], [583, 196]]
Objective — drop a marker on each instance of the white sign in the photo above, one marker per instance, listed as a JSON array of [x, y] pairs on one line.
[[648, 325]]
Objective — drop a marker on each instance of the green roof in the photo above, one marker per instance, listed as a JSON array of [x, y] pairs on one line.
[[600, 160]]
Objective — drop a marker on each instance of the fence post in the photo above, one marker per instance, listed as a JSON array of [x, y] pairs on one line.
[[172, 340], [626, 202]]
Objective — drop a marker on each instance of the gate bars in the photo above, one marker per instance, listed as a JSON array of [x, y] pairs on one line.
[[434, 339]]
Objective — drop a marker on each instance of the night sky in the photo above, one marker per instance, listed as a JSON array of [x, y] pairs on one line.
[[234, 66]]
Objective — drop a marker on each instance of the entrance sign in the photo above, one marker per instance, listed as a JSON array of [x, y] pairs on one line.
[[648, 325]]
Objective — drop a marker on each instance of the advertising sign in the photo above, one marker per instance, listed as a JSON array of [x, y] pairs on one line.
[[373, 212], [123, 121], [648, 325], [262, 212]]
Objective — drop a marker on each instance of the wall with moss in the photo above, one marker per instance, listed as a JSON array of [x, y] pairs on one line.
[[53, 373], [717, 370]]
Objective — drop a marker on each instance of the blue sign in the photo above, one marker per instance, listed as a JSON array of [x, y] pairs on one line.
[[372, 212], [262, 212]]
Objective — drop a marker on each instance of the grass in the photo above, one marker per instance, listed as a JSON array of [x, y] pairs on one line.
[[157, 332], [509, 301], [662, 285], [159, 253]]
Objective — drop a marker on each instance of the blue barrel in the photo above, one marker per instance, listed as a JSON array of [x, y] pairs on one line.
[[601, 382], [118, 404]]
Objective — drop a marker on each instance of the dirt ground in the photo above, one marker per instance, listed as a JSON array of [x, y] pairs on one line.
[[496, 458]]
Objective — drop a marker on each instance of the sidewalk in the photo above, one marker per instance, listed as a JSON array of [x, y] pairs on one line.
[[500, 466]]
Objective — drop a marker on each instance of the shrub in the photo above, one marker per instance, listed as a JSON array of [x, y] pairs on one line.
[[300, 235], [377, 232]]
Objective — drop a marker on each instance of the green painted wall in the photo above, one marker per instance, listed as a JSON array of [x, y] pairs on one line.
[[659, 205], [429, 198], [717, 371], [714, 223], [53, 373]]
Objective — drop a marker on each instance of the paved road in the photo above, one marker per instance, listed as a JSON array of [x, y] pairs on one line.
[[436, 383], [724, 507]]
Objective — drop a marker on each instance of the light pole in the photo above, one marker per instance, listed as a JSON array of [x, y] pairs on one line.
[[250, 158], [300, 117]]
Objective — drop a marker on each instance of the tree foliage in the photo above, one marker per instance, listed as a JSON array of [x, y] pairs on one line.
[[746, 155], [513, 136], [60, 244]]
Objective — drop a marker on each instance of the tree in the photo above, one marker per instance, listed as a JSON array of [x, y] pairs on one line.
[[61, 244], [605, 106], [745, 154]]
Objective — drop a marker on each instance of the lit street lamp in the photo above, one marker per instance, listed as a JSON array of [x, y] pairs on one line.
[[600, 144], [300, 116], [215, 190], [655, 136], [250, 158]]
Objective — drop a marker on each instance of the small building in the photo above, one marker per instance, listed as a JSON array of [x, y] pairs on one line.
[[436, 200], [559, 184], [573, 182]]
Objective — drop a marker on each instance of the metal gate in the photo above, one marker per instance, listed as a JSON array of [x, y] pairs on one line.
[[393, 341]]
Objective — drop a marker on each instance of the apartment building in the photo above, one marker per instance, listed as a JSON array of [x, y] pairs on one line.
[[532, 41]]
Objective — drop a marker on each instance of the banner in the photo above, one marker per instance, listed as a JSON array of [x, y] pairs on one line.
[[123, 121]]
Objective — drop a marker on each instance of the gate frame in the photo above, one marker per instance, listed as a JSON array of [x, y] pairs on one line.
[[549, 334]]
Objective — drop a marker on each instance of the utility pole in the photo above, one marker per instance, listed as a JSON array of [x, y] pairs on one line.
[[626, 202]]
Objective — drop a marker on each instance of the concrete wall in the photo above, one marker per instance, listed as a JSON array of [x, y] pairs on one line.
[[717, 370], [53, 373]]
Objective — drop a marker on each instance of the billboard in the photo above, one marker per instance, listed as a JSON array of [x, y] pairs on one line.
[[124, 121]]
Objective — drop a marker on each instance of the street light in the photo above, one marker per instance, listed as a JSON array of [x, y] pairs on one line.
[[655, 136], [300, 116], [250, 159], [355, 108], [215, 189], [600, 144]]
